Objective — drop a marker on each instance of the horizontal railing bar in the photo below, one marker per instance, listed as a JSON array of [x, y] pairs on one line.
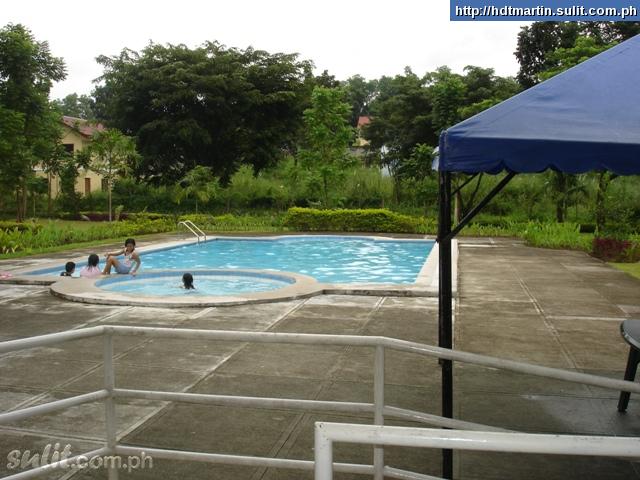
[[599, 446], [439, 421], [239, 401], [371, 341], [520, 367], [58, 466], [238, 459], [53, 406], [406, 475], [49, 339], [243, 336]]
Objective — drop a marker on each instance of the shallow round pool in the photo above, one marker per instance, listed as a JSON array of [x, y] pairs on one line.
[[213, 283]]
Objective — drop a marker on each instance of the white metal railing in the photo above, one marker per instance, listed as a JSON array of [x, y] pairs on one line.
[[193, 228], [377, 408], [327, 433]]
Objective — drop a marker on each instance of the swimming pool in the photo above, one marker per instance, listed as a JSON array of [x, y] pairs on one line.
[[327, 258]]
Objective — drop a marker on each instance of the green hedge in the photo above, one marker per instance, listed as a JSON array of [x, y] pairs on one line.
[[20, 227], [368, 220]]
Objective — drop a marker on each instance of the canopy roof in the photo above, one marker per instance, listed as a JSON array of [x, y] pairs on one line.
[[586, 118]]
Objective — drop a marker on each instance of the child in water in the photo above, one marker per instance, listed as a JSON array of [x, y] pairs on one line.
[[187, 281], [69, 268], [91, 270]]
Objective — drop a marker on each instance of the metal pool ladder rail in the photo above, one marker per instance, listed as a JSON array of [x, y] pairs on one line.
[[193, 228]]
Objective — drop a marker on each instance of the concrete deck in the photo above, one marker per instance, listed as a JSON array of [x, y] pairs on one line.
[[549, 307]]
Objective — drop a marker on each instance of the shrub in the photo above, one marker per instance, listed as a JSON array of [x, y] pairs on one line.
[[369, 220], [612, 249], [21, 227]]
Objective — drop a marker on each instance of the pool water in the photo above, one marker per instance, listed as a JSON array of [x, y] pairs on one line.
[[170, 284], [329, 259]]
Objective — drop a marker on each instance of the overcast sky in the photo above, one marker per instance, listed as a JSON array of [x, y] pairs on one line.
[[346, 37]]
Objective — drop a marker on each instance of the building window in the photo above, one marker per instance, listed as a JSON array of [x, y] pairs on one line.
[[87, 186], [105, 185], [68, 147]]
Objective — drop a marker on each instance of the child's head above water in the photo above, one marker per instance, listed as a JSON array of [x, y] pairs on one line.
[[69, 267], [187, 280]]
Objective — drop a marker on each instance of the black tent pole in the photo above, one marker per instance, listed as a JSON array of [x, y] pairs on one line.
[[445, 334]]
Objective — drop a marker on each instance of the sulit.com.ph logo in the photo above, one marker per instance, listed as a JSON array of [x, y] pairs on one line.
[[52, 456]]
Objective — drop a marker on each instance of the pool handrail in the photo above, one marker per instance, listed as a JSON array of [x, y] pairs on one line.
[[193, 228]]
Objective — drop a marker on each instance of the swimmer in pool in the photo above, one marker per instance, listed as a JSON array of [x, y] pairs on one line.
[[125, 265], [187, 281]]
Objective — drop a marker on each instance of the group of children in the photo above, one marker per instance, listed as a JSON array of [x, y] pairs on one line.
[[124, 266]]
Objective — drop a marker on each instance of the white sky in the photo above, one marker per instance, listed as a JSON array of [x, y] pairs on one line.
[[347, 37]]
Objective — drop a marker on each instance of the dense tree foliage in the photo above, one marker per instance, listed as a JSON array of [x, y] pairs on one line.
[[212, 106], [74, 105], [29, 127], [537, 42]]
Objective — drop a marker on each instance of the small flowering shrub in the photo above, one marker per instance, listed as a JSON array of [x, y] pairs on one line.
[[612, 249]]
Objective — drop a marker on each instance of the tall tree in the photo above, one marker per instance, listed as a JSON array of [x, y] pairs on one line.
[[30, 125], [212, 106], [110, 154], [328, 136]]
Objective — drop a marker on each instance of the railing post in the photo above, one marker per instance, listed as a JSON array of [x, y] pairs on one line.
[[323, 455], [110, 404], [378, 405]]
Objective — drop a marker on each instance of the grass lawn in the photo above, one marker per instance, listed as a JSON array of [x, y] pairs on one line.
[[632, 269]]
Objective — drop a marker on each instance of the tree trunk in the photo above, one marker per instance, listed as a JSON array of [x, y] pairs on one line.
[[561, 196], [604, 180], [49, 199], [109, 195]]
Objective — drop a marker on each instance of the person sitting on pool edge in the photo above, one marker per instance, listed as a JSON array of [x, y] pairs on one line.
[[187, 281], [125, 265]]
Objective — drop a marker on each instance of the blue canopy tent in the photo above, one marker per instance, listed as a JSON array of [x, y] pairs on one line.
[[584, 119]]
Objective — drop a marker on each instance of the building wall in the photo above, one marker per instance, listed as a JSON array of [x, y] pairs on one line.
[[86, 178]]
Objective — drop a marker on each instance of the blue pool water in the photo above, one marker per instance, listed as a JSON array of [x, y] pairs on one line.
[[206, 283], [329, 259]]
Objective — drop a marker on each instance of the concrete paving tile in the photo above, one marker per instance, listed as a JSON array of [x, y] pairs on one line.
[[400, 368], [306, 361], [594, 344], [86, 420], [208, 428], [259, 386], [512, 344], [422, 399], [136, 377], [11, 397], [365, 301], [532, 413], [470, 378], [411, 303], [175, 353], [40, 371], [509, 466], [411, 325], [335, 311], [300, 323]]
